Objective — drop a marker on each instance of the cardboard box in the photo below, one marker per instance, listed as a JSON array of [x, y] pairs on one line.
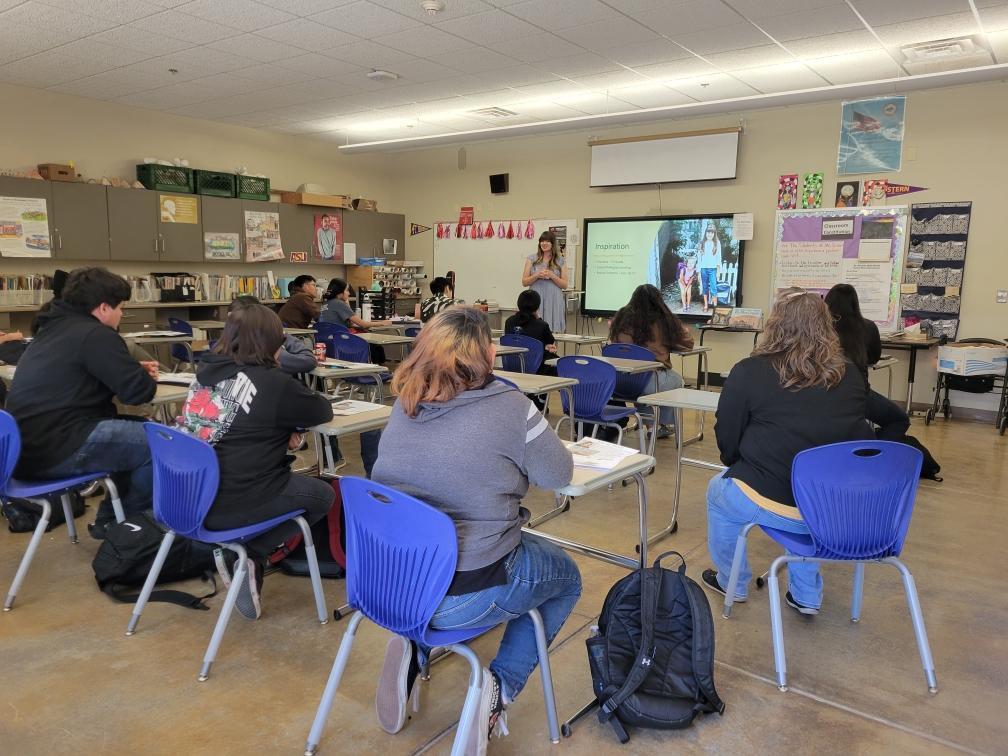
[[57, 172], [319, 200], [365, 204], [972, 359]]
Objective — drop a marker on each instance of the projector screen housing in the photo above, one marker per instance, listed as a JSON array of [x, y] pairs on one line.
[[665, 159]]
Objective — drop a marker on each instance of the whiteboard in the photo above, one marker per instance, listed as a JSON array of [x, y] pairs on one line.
[[697, 157], [491, 269]]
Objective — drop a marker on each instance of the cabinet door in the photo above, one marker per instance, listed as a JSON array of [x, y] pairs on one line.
[[369, 230], [80, 221], [132, 224], [223, 215], [181, 240], [297, 229], [261, 207], [22, 187]]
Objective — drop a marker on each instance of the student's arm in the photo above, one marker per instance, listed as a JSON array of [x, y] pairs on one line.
[[547, 336], [300, 407], [686, 339], [107, 359], [732, 416], [11, 336], [528, 277], [873, 342], [310, 307], [296, 356], [548, 464]]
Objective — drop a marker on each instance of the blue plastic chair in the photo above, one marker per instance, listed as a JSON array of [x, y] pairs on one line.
[[401, 557], [595, 383], [856, 498], [36, 490], [530, 362], [326, 333], [412, 331], [184, 353], [353, 348], [185, 486], [630, 386]]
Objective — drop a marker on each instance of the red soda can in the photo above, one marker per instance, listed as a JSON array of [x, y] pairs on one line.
[[320, 351]]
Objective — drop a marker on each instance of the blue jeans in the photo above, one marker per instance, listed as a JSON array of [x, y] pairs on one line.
[[708, 282], [540, 576], [118, 447], [665, 379], [728, 511]]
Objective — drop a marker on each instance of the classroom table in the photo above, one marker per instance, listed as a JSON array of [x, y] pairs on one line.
[[622, 365], [142, 338], [886, 362], [341, 369], [344, 425], [504, 349], [913, 346], [679, 400], [704, 329], [700, 352], [579, 340], [535, 384], [388, 339], [208, 325], [301, 332]]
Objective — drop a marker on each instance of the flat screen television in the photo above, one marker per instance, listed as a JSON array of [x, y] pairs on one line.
[[675, 253]]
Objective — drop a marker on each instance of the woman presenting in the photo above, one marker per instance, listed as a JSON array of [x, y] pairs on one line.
[[546, 274]]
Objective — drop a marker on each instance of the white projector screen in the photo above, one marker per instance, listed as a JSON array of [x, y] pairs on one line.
[[663, 160]]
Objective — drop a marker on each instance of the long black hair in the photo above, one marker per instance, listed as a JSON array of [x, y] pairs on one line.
[[528, 303], [646, 309], [848, 322]]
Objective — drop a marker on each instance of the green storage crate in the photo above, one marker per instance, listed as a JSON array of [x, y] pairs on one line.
[[253, 188], [214, 183], [165, 178]]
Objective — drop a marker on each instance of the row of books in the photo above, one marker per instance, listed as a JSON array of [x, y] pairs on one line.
[[25, 289]]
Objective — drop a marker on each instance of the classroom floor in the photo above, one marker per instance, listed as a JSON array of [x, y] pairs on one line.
[[73, 683]]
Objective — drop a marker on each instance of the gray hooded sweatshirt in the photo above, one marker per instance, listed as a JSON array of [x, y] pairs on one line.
[[473, 458]]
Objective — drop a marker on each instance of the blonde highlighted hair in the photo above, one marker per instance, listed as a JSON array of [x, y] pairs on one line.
[[452, 354], [801, 342]]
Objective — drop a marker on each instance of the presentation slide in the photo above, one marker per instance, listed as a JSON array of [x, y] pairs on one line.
[[693, 261]]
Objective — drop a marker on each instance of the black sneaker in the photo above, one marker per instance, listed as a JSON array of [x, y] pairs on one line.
[[709, 578], [800, 608], [395, 685]]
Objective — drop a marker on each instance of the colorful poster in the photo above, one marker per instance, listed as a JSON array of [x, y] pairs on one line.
[[871, 135], [24, 227], [898, 190], [466, 215], [262, 236], [416, 228], [812, 184], [328, 240], [560, 232], [220, 246], [787, 192], [178, 209], [875, 194], [847, 194], [299, 257]]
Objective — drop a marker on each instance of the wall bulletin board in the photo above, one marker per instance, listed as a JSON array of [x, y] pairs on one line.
[[865, 247]]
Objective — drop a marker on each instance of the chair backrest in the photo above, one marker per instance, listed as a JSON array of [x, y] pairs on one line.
[[185, 478], [629, 386], [10, 449], [596, 380], [401, 556], [179, 351], [351, 348], [413, 331], [533, 357], [857, 496], [326, 333]]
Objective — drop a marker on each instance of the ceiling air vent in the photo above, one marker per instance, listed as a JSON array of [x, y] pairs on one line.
[[945, 55], [493, 113]]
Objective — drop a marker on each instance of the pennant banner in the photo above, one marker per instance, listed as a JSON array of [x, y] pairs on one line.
[[896, 190], [416, 228]]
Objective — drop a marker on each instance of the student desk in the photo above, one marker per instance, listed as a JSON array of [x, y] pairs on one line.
[[704, 329], [344, 425], [679, 400], [142, 339], [341, 369], [303, 333], [700, 352], [210, 326], [913, 346], [630, 367], [579, 340], [535, 384], [503, 350], [388, 339], [886, 362]]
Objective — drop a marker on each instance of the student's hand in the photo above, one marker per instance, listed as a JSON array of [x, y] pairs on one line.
[[151, 367], [13, 336], [295, 440], [551, 348]]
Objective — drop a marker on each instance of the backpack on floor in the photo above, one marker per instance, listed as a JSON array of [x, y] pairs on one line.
[[23, 515], [127, 554], [330, 545], [652, 663]]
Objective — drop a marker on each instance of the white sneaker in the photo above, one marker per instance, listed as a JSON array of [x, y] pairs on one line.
[[489, 716], [396, 684], [248, 593]]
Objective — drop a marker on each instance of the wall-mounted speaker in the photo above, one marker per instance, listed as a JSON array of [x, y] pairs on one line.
[[499, 183]]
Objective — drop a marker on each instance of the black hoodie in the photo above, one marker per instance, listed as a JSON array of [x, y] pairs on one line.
[[65, 382], [247, 413]]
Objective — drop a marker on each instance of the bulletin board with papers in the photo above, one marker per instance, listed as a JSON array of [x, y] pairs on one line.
[[863, 247]]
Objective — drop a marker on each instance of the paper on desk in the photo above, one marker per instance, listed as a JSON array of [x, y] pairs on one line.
[[138, 334], [177, 379], [599, 455], [354, 407]]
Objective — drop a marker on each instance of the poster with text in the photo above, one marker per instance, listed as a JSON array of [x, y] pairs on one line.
[[262, 236], [871, 135], [24, 227], [176, 209], [328, 242], [221, 246]]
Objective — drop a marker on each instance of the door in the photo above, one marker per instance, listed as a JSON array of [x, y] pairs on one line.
[[223, 215], [80, 221], [132, 224], [21, 187], [180, 231]]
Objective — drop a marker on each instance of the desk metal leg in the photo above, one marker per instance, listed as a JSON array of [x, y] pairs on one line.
[[570, 406], [673, 525], [910, 377], [704, 370], [561, 505]]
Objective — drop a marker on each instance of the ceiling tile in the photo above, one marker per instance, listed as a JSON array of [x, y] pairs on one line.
[[842, 43], [257, 48], [645, 53], [370, 100], [246, 15], [274, 74], [367, 54], [424, 40], [425, 70], [515, 76], [457, 86], [999, 44], [761, 9], [611, 80], [562, 14], [812, 23], [140, 40], [615, 32], [578, 65], [364, 19], [652, 96], [750, 57], [48, 69], [114, 83], [928, 29], [321, 65], [454, 9], [723, 38], [112, 56], [783, 78], [308, 35], [684, 18], [554, 91], [190, 92], [598, 104], [544, 111], [895, 11], [121, 11], [534, 47], [677, 69], [490, 25], [52, 24], [856, 67], [714, 87], [995, 18], [305, 7], [190, 64], [474, 60], [185, 27], [452, 122]]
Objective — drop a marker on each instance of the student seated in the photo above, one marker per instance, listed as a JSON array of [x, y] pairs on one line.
[[528, 323], [253, 413], [62, 394], [796, 391], [648, 322], [442, 297], [301, 309], [469, 446], [337, 310], [860, 341]]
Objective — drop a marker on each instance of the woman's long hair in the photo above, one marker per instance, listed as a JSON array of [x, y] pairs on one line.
[[645, 311], [703, 238], [336, 287], [801, 343], [551, 238], [843, 304], [528, 303], [253, 334], [452, 354]]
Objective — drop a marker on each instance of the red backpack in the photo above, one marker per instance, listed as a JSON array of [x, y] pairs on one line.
[[327, 534]]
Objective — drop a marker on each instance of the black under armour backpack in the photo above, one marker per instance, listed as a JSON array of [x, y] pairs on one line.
[[652, 663]]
